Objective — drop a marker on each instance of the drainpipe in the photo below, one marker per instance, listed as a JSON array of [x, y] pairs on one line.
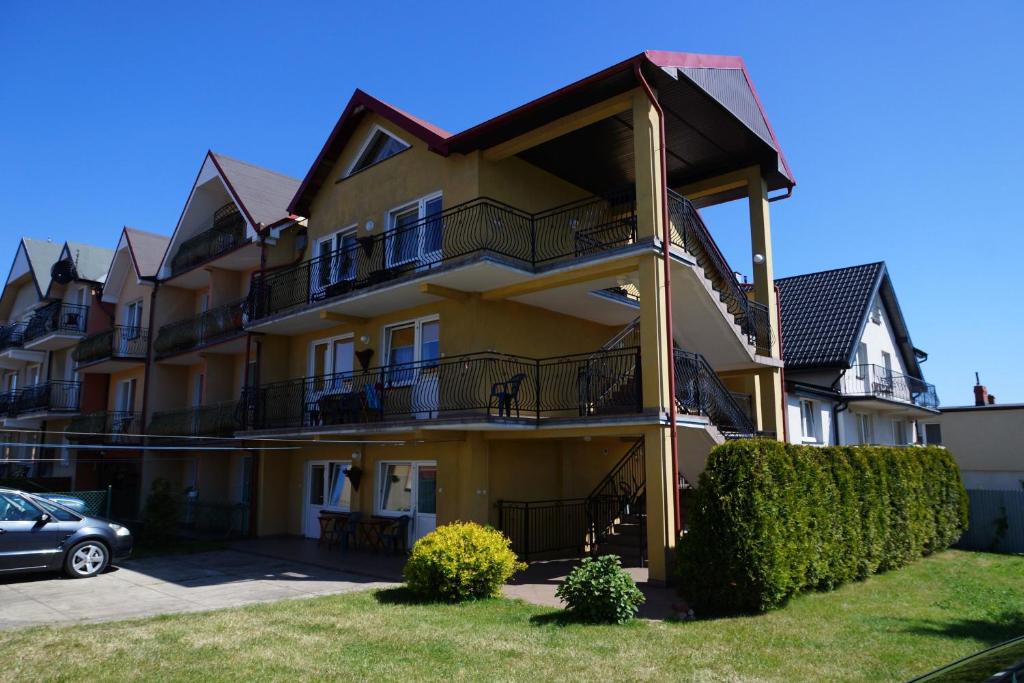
[[149, 348], [665, 242], [836, 409], [782, 370]]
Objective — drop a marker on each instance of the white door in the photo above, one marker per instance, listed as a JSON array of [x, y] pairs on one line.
[[327, 488], [409, 489], [432, 232], [132, 325]]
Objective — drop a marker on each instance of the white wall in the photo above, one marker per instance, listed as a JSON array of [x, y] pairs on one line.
[[822, 420], [879, 337]]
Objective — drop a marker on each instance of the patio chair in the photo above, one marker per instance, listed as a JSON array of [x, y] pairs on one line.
[[395, 536], [506, 394], [350, 530]]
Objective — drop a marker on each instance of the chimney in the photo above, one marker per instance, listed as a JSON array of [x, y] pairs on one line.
[[981, 397], [991, 399]]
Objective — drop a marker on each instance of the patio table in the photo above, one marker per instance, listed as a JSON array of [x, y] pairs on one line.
[[371, 531], [330, 523]]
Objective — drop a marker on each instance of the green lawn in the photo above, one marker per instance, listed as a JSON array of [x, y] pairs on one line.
[[890, 627]]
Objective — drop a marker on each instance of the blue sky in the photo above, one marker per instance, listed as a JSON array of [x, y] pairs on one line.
[[901, 122]]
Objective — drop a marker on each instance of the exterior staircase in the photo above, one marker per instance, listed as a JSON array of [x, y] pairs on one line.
[[617, 509]]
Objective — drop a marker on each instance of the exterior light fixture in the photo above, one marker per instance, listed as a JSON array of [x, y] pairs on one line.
[[758, 259], [368, 226], [364, 339]]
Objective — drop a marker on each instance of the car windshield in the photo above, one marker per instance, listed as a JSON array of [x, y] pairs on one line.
[[1003, 663], [14, 508], [56, 511]]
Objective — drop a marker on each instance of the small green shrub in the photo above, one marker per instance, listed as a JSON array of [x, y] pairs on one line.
[[460, 561], [161, 514], [771, 520], [601, 591]]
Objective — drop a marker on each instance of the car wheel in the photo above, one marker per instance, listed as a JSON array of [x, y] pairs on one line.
[[86, 559]]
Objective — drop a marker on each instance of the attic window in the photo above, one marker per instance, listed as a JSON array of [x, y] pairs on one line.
[[378, 147], [876, 314]]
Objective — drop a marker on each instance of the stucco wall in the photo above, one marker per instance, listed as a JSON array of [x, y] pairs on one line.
[[987, 443]]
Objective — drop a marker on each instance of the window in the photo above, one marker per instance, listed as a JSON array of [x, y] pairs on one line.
[[378, 147], [865, 428], [32, 375], [339, 495], [11, 382], [899, 432], [14, 508], [395, 492], [808, 425], [876, 314], [933, 434], [132, 319], [245, 485], [57, 512], [862, 360], [125, 396], [412, 346], [197, 390], [415, 232], [336, 256]]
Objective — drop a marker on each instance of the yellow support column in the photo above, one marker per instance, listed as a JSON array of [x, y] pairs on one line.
[[655, 341], [769, 380], [474, 479]]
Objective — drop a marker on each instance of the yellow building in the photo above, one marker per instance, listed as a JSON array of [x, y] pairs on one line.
[[526, 323]]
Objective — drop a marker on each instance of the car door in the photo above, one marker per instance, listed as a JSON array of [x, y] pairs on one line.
[[26, 541]]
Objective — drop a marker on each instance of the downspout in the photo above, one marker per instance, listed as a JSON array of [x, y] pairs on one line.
[[149, 349], [837, 408], [665, 242], [782, 370]]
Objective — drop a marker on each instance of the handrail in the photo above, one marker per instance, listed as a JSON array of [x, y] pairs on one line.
[[867, 379], [12, 335], [115, 423], [212, 419], [215, 324], [699, 390], [57, 317], [51, 396], [118, 342], [226, 231], [692, 235]]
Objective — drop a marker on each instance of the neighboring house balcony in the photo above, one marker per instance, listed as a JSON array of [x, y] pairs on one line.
[[215, 419], [888, 388], [224, 233], [13, 355], [106, 426], [115, 349], [49, 399], [56, 326], [482, 388], [179, 342]]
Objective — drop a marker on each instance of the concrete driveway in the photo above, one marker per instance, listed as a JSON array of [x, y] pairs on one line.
[[161, 585]]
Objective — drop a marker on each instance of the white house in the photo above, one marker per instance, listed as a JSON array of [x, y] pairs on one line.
[[853, 376]]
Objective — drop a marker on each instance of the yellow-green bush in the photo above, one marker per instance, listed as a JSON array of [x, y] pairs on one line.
[[460, 561], [771, 520]]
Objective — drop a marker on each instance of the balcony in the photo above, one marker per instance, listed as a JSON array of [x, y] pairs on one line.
[[217, 419], [56, 326], [13, 355], [38, 400], [226, 232], [477, 231], [888, 387], [485, 387], [215, 326], [115, 426], [112, 349]]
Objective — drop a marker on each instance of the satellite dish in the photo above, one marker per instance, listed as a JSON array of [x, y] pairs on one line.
[[63, 271]]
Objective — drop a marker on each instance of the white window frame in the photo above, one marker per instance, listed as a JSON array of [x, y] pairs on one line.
[[377, 128], [132, 326], [862, 360], [808, 421], [417, 354], [126, 387], [897, 425], [420, 205], [37, 369], [865, 428], [332, 257], [329, 341]]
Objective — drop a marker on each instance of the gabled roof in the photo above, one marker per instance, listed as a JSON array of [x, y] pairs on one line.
[[91, 263], [40, 256], [824, 315], [263, 195], [693, 85], [138, 252]]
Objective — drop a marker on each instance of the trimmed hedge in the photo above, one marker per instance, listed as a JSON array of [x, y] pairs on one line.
[[771, 520]]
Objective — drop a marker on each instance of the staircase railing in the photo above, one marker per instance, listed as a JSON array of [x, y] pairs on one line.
[[691, 234], [700, 391], [619, 493]]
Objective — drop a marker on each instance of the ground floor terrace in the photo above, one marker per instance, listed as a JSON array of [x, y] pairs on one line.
[[556, 494]]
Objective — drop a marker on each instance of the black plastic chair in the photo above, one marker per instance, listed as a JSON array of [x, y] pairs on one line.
[[395, 537], [350, 531], [506, 394]]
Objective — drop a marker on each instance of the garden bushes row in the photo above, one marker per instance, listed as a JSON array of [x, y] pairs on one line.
[[771, 520]]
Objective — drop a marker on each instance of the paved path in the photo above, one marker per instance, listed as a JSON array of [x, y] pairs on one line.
[[160, 585]]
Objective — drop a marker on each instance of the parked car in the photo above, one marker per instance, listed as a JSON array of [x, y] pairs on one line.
[[1003, 663], [70, 502], [37, 534]]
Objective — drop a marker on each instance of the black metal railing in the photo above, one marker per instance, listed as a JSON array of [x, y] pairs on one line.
[[9, 403], [57, 317], [104, 425], [884, 383], [49, 397], [487, 385], [121, 342], [215, 419], [211, 326], [225, 232], [573, 525], [480, 226], [689, 232], [700, 391], [12, 335]]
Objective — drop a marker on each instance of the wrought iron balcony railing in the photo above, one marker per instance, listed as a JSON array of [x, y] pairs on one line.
[[12, 335], [216, 419], [9, 403], [485, 386], [225, 232], [700, 391], [884, 383], [121, 342], [106, 425], [689, 232], [209, 327], [57, 317], [49, 397], [480, 226]]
